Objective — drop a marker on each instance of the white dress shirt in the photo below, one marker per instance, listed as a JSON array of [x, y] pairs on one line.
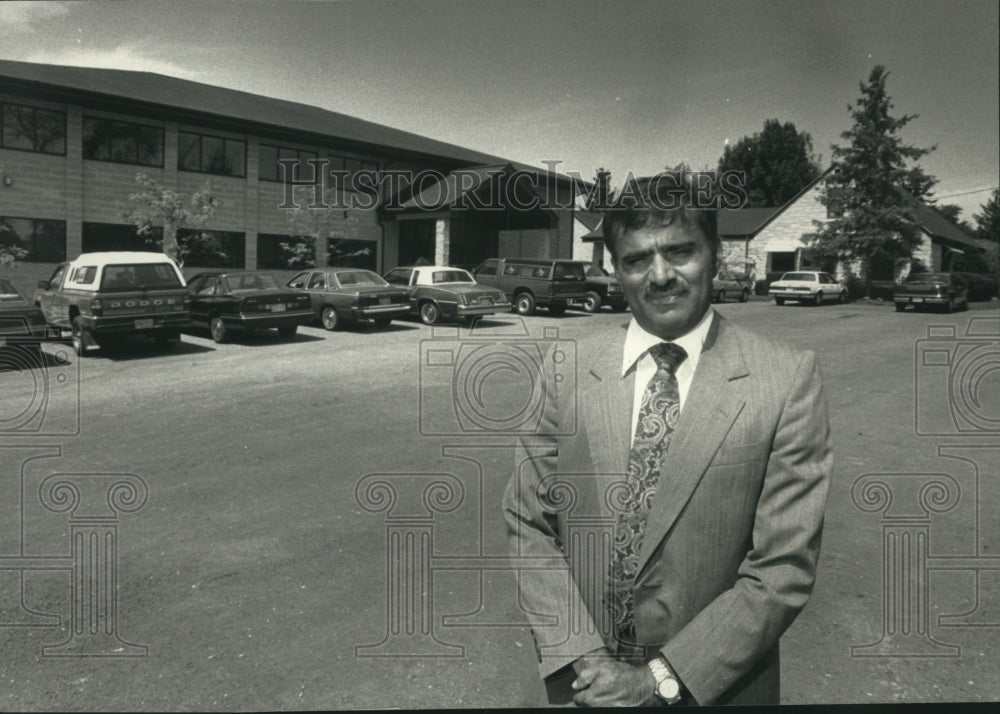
[[636, 356]]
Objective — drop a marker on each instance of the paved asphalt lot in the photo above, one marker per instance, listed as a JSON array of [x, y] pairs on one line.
[[252, 572]]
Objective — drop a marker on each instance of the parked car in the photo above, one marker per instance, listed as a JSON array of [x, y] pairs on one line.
[[808, 286], [22, 325], [243, 301], [762, 285], [439, 292], [602, 288], [530, 283], [945, 290], [726, 283], [981, 286], [102, 296], [341, 295]]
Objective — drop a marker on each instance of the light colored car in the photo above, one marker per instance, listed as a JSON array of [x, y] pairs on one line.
[[441, 292], [808, 286], [729, 284]]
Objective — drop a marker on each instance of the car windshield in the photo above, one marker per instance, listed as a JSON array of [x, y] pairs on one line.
[[928, 278], [139, 276], [9, 294], [451, 276], [360, 277], [799, 276], [251, 281], [567, 271]]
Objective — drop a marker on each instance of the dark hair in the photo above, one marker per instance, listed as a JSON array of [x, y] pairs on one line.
[[660, 200]]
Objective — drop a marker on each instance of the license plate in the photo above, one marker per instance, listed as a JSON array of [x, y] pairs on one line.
[[916, 299], [144, 324], [278, 307]]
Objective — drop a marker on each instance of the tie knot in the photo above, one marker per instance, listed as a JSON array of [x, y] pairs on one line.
[[667, 355]]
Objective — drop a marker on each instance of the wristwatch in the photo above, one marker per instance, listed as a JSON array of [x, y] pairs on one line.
[[668, 689]]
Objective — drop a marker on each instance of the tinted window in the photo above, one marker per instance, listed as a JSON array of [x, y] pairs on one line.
[[144, 275], [567, 271], [398, 277]]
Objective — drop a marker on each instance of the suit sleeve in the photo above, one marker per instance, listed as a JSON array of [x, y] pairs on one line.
[[725, 640], [561, 625]]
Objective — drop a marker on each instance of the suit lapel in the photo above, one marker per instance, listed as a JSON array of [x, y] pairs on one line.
[[608, 405], [710, 408]]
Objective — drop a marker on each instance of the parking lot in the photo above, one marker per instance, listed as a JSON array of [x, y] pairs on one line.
[[257, 572]]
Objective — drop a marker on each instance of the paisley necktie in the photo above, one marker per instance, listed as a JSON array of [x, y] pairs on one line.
[[658, 415]]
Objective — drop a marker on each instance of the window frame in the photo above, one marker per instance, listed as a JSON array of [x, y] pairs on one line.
[[137, 129], [34, 125], [201, 153]]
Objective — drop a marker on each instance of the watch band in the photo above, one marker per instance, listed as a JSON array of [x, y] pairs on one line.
[[668, 689]]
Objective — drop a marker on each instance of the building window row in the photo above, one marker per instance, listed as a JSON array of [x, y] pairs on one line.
[[122, 142], [44, 130], [41, 240], [32, 129]]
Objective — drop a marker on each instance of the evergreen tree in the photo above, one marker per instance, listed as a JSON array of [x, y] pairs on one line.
[[988, 228], [870, 194], [777, 163]]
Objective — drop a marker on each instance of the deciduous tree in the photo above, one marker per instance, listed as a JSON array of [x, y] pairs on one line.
[[156, 205], [777, 163]]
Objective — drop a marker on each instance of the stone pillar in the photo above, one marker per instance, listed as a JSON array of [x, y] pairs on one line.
[[442, 240]]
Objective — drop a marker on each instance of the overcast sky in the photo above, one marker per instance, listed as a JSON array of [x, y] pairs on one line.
[[632, 86]]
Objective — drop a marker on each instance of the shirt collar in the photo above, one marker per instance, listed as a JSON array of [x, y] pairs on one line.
[[638, 341]]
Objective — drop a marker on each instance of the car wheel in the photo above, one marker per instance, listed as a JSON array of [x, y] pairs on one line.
[[82, 339], [817, 299], [329, 318], [745, 295], [430, 314], [287, 331], [779, 300], [949, 306], [220, 333], [841, 297], [383, 322], [524, 304], [592, 302]]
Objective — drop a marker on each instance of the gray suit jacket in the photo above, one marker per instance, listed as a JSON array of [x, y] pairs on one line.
[[729, 553]]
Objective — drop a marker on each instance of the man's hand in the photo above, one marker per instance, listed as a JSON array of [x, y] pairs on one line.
[[605, 682]]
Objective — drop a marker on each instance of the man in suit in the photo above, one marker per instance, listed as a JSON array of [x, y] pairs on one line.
[[712, 456]]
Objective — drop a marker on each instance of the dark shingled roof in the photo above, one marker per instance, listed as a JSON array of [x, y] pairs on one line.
[[171, 93], [937, 225], [743, 221]]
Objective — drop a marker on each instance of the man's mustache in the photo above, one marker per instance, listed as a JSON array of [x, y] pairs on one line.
[[669, 288]]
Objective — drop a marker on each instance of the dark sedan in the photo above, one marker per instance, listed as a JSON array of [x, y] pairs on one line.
[[244, 302], [341, 295], [22, 325], [947, 291]]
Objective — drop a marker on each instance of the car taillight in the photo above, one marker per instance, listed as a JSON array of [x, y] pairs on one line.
[[96, 307]]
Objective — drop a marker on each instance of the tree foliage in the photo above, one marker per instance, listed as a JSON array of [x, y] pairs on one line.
[[315, 230], [777, 163], [870, 194], [988, 228], [156, 205]]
